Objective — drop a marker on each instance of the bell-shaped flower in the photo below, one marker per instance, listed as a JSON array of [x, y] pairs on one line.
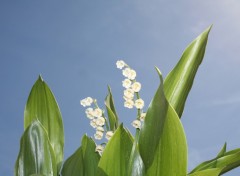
[[126, 72], [89, 113], [136, 87], [126, 83], [136, 124], [129, 103], [142, 116], [98, 135], [109, 134], [93, 123], [139, 103], [132, 74], [120, 64], [86, 101], [99, 149], [100, 121], [97, 112], [128, 93], [99, 128]]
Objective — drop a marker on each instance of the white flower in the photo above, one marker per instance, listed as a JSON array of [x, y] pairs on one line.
[[97, 112], [142, 116], [100, 121], [93, 123], [83, 102], [98, 135], [86, 101], [132, 74], [120, 64], [126, 72], [136, 87], [136, 124], [126, 83], [89, 101], [109, 134], [99, 149], [128, 93], [99, 128], [89, 113], [139, 103], [128, 103]]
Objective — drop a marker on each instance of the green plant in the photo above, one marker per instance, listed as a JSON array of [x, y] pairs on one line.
[[159, 147]]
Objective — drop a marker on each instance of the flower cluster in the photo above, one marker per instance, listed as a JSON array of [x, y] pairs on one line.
[[97, 120], [131, 92], [132, 87]]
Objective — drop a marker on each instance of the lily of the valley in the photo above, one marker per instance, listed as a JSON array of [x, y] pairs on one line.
[[120, 64], [109, 134], [136, 124], [99, 149], [86, 101], [139, 103]]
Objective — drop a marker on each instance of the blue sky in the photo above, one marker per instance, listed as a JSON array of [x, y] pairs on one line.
[[74, 45]]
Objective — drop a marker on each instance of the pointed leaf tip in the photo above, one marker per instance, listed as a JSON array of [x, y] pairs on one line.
[[159, 74], [40, 77]]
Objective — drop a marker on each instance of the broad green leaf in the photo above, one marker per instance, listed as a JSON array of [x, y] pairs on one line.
[[42, 105], [162, 142], [90, 157], [136, 166], [36, 155], [152, 128], [74, 164], [208, 172], [112, 115], [115, 158], [171, 154], [84, 162], [178, 83]]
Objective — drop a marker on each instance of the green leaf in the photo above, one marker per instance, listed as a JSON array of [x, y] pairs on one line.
[[208, 172], [90, 157], [178, 83], [136, 166], [112, 115], [204, 164], [152, 128], [74, 164], [115, 158], [42, 105], [36, 155], [84, 162], [226, 162], [162, 141]]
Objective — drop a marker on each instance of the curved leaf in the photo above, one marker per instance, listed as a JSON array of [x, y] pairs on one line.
[[90, 157], [178, 83], [112, 115], [208, 172], [152, 128], [162, 141], [136, 166], [171, 154], [115, 158], [84, 162], [74, 164], [225, 161], [36, 155], [42, 105], [203, 165]]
